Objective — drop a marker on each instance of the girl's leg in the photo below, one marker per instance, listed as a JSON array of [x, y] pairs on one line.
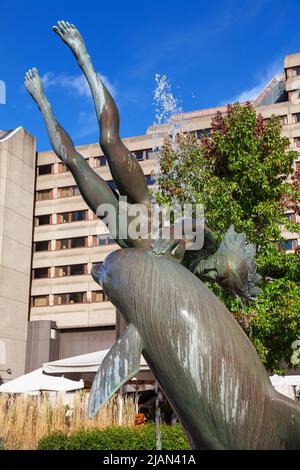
[[126, 171], [93, 188]]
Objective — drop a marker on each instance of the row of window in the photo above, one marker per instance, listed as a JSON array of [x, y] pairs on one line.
[[76, 242], [48, 169], [67, 191], [70, 191], [82, 268], [62, 218], [284, 119], [61, 271], [69, 298]]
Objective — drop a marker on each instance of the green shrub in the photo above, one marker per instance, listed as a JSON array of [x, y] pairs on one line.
[[117, 438], [55, 441]]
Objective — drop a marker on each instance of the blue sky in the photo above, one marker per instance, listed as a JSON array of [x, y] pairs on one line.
[[213, 52]]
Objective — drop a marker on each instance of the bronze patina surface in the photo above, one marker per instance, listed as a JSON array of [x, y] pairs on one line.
[[201, 357]]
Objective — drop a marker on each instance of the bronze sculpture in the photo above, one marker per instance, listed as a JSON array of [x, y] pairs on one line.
[[204, 362], [218, 380]]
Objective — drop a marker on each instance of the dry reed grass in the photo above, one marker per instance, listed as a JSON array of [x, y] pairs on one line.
[[25, 419]]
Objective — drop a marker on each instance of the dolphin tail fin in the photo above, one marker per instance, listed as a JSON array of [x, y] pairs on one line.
[[121, 363]]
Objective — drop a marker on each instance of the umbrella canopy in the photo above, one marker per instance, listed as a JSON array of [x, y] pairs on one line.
[[292, 380], [286, 384], [85, 363], [37, 381]]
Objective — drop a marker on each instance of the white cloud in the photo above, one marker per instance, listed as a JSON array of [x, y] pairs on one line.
[[251, 94], [75, 83], [262, 79]]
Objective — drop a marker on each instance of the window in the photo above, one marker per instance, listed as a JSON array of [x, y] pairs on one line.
[[297, 166], [72, 298], [99, 161], [72, 270], [61, 271], [296, 118], [68, 191], [42, 246], [44, 195], [101, 240], [66, 243], [75, 216], [61, 299], [293, 72], [291, 217], [148, 153], [297, 141], [63, 244], [78, 269], [139, 154], [99, 296], [41, 273], [63, 218], [290, 244], [76, 298], [42, 220], [203, 133], [284, 120], [151, 154], [45, 170], [62, 168], [40, 301], [78, 242]]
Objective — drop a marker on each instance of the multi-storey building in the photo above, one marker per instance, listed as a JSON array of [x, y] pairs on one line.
[[69, 314]]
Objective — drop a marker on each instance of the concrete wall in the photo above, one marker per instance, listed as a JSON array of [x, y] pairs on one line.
[[17, 177], [42, 344]]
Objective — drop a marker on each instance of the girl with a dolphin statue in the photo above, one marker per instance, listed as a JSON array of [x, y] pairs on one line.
[[202, 359]]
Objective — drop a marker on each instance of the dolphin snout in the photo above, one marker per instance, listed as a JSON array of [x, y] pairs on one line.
[[98, 272]]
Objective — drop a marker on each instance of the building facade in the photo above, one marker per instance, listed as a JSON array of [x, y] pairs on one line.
[[69, 314], [17, 177]]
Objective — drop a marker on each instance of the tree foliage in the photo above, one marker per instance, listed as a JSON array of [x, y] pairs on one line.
[[240, 173]]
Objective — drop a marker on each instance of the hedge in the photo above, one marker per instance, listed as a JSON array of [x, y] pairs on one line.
[[2, 444], [117, 438]]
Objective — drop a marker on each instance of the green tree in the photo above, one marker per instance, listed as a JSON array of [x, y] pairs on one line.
[[240, 174]]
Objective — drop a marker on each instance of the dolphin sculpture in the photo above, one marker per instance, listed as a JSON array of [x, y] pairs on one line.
[[202, 359]]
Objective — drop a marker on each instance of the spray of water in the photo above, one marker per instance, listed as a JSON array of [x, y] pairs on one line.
[[167, 122], [167, 106]]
